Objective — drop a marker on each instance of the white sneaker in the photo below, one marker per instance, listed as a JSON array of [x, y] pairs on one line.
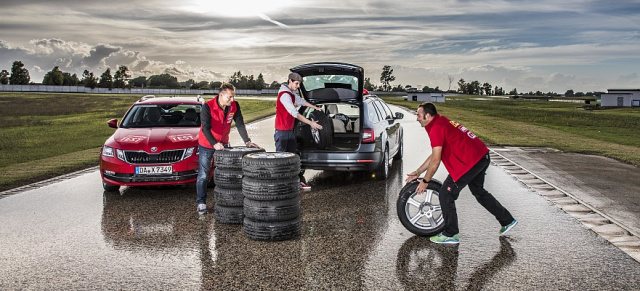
[[202, 208]]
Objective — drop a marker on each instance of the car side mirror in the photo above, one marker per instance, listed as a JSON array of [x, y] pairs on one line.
[[399, 115], [113, 123]]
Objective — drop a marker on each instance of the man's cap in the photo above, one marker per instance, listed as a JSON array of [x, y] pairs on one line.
[[295, 77]]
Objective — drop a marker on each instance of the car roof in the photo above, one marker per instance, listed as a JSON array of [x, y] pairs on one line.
[[151, 99]]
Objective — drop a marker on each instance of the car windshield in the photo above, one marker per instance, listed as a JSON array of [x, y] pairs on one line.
[[311, 83], [163, 115]]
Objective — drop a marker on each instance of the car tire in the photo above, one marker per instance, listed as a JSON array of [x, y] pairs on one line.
[[271, 165], [273, 230], [324, 137], [109, 187], [228, 215], [279, 210], [382, 172], [231, 158], [228, 197], [228, 178], [268, 190], [424, 209]]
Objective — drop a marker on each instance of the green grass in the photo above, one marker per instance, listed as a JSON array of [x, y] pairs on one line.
[[48, 134], [613, 132]]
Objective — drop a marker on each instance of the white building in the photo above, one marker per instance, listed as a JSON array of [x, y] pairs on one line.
[[425, 97], [621, 98]]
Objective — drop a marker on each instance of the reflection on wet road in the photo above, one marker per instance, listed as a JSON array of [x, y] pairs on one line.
[[71, 235]]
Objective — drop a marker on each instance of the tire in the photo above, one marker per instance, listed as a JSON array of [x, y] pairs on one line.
[[400, 152], [228, 197], [423, 208], [109, 187], [382, 172], [270, 211], [231, 158], [269, 190], [228, 178], [324, 137], [228, 215], [271, 165], [272, 231]]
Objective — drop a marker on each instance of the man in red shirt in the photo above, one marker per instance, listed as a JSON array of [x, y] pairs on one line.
[[216, 116], [286, 115], [466, 158]]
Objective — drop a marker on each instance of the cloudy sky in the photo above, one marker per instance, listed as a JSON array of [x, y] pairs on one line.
[[546, 45]]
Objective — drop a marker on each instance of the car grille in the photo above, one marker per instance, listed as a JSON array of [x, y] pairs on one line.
[[136, 157]]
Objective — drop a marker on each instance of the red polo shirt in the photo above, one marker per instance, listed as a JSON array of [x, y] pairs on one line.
[[461, 149]]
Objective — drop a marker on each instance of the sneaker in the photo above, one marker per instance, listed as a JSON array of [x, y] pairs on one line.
[[443, 239], [304, 186], [202, 208], [508, 227]]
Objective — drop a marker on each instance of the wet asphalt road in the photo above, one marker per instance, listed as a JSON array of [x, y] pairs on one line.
[[69, 235]]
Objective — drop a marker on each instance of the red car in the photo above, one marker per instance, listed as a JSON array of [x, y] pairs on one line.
[[155, 144]]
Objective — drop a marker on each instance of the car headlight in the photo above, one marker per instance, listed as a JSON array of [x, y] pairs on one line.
[[107, 151], [120, 154], [188, 152]]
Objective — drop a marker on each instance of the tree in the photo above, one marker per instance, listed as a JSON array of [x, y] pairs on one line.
[[274, 85], [106, 80], [215, 85], [163, 81], [514, 92], [19, 75], [70, 80], [259, 84], [450, 77], [200, 85], [120, 77], [486, 87], [4, 77], [368, 85], [53, 77], [386, 77], [462, 86], [89, 80], [569, 93], [138, 82], [398, 88]]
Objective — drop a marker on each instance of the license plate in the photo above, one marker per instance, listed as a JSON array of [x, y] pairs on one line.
[[154, 170]]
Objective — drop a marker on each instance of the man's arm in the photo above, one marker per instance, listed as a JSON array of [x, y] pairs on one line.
[[432, 167], [205, 120], [242, 130], [288, 104]]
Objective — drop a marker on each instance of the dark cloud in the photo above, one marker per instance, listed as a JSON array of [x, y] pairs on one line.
[[98, 54]]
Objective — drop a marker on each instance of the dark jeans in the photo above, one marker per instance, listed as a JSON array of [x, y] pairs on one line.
[[475, 179], [285, 141], [204, 166]]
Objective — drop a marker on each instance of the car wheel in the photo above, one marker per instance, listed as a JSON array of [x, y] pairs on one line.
[[279, 210], [232, 157], [228, 215], [267, 190], [110, 188], [383, 170], [228, 197], [271, 165], [228, 178], [272, 230], [420, 213], [324, 137], [400, 152]]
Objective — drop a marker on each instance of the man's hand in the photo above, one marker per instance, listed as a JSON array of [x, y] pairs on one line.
[[252, 145], [422, 186], [410, 177], [218, 147], [315, 125]]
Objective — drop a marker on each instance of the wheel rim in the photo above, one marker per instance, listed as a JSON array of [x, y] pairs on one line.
[[315, 133], [423, 210]]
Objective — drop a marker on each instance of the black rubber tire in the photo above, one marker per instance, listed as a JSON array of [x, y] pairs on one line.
[[231, 158], [228, 215], [382, 172], [400, 152], [271, 165], [228, 197], [280, 210], [109, 187], [228, 178], [430, 209], [324, 137], [272, 231], [269, 190]]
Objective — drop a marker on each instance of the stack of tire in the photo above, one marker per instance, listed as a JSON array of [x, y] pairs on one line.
[[271, 189], [227, 176]]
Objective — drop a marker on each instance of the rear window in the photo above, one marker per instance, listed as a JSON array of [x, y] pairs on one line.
[[311, 83]]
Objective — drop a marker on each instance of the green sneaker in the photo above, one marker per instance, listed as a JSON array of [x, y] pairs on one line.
[[508, 227], [442, 239]]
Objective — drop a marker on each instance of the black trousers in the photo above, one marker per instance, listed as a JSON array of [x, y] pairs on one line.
[[475, 179]]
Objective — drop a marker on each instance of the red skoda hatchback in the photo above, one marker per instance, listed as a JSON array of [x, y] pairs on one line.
[[155, 144]]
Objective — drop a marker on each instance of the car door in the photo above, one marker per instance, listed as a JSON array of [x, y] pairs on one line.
[[391, 126]]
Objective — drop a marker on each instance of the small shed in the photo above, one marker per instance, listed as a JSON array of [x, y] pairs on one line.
[[426, 97], [620, 98]]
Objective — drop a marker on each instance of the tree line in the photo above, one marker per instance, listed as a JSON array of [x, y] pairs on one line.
[[122, 79]]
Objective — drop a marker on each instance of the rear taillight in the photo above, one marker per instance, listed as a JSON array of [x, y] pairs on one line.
[[368, 136]]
